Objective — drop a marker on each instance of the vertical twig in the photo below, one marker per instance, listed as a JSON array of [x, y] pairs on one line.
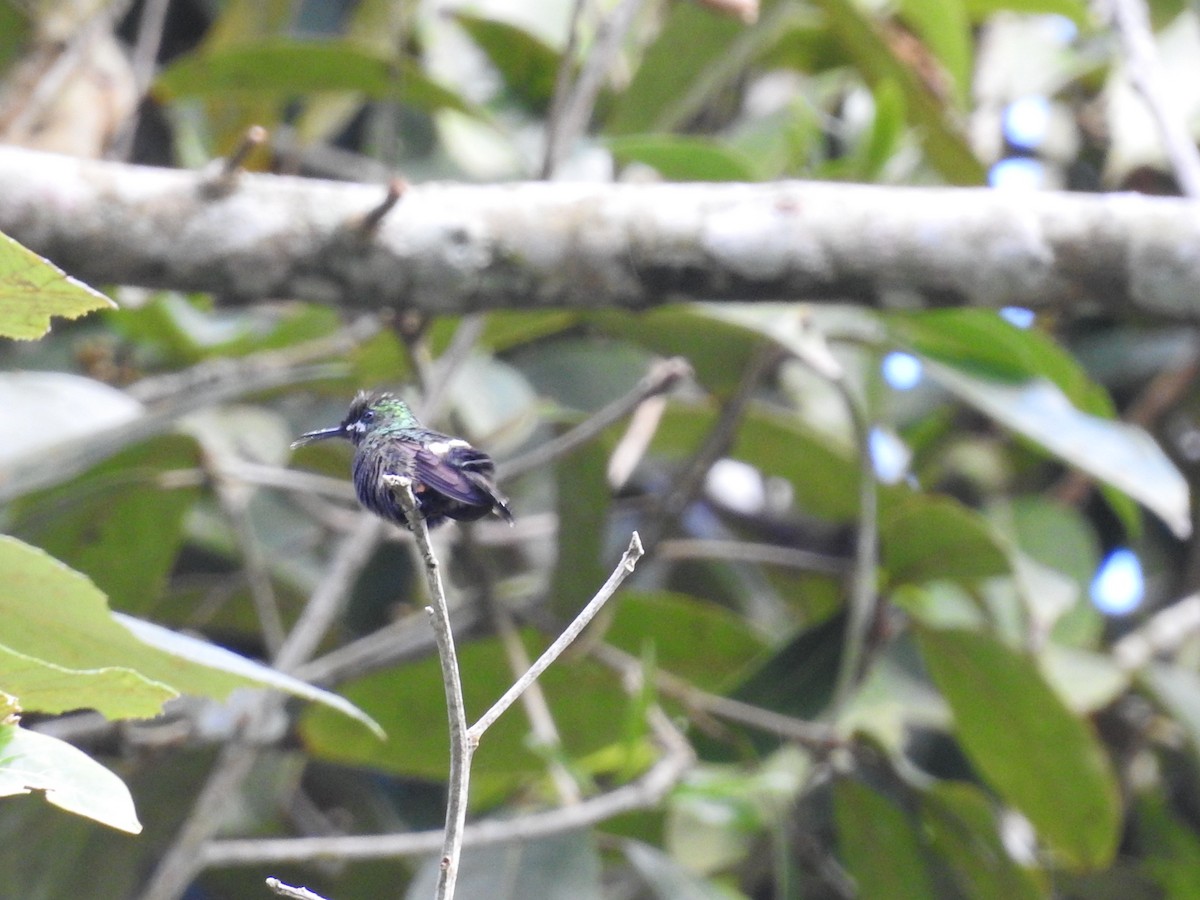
[[1146, 72], [861, 613], [461, 748]]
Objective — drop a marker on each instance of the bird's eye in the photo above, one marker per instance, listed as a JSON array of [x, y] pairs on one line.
[[367, 415]]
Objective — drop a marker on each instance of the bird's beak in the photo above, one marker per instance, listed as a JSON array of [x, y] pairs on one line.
[[321, 434]]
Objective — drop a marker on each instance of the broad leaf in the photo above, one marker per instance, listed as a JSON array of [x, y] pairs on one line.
[[684, 158], [1121, 455], [961, 824], [56, 614], [68, 778], [290, 68], [925, 537], [880, 844], [528, 65], [1037, 754], [115, 692], [32, 289]]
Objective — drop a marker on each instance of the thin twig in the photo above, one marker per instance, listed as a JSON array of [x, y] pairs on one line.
[[861, 613], [744, 551], [562, 87], [254, 562], [577, 108], [643, 793], [1132, 22], [286, 890], [626, 566], [812, 735], [461, 747], [662, 377]]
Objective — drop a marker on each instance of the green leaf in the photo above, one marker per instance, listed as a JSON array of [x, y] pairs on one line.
[[880, 844], [961, 826], [666, 877], [115, 692], [689, 46], [926, 537], [1036, 753], [1121, 455], [1075, 10], [583, 502], [289, 68], [67, 777], [943, 25], [33, 289], [684, 158], [873, 57], [694, 639], [527, 64], [118, 522], [409, 701], [55, 614]]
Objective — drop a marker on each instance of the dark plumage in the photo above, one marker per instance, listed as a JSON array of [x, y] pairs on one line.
[[451, 479]]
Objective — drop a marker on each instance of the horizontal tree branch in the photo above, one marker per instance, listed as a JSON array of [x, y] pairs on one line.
[[458, 248]]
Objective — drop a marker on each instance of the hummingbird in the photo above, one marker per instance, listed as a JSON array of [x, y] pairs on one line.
[[450, 478]]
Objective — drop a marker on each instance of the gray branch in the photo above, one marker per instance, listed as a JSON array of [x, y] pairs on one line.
[[461, 248]]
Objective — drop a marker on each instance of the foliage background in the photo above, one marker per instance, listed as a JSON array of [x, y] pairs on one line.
[[949, 715]]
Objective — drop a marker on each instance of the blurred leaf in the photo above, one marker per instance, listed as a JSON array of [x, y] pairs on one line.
[[1171, 845], [118, 523], [291, 68], [561, 867], [1027, 744], [824, 476], [983, 343], [65, 776], [528, 65], [684, 158], [55, 614], [180, 332], [1075, 10], [961, 825], [689, 45], [1087, 682], [583, 507], [1122, 455], [718, 348], [692, 638], [1177, 690], [115, 692], [887, 130], [947, 148], [928, 537], [879, 844], [32, 289], [409, 701], [797, 679], [944, 27]]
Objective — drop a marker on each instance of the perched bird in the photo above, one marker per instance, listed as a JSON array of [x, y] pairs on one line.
[[450, 478]]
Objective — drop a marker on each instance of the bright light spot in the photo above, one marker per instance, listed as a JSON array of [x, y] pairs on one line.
[[901, 371], [889, 455], [1118, 586], [1027, 121], [1062, 29], [1017, 315], [1017, 173], [737, 486]]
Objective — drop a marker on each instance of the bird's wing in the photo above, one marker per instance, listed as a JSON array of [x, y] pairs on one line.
[[454, 470]]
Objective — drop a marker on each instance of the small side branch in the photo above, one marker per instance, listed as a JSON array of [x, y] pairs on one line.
[[624, 568]]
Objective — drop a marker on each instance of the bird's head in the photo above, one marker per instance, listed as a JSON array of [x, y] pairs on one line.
[[368, 413]]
